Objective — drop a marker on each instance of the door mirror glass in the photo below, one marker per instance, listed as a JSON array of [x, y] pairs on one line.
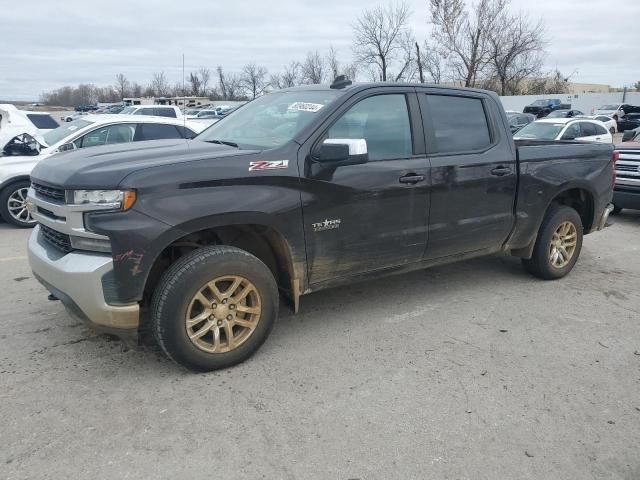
[[348, 150], [67, 147]]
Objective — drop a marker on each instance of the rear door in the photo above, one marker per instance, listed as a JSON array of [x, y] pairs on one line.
[[590, 132], [371, 216], [473, 172]]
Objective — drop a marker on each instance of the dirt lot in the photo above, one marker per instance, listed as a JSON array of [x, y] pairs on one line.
[[469, 371]]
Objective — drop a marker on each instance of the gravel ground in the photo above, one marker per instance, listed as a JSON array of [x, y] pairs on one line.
[[468, 371]]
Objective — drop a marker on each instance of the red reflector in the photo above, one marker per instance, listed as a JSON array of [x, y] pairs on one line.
[[616, 156]]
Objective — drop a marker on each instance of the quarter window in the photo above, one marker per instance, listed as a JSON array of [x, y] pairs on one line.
[[459, 124], [381, 120]]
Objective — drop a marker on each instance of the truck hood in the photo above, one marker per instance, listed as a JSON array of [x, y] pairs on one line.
[[107, 166]]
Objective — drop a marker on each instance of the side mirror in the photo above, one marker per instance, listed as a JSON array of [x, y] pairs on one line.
[[67, 147], [568, 137], [347, 151]]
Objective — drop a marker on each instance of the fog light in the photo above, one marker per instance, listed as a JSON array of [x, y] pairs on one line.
[[91, 244]]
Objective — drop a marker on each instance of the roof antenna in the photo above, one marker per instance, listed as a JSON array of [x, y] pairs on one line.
[[341, 81]]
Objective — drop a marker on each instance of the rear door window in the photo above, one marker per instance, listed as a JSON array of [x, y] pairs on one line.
[[156, 131], [459, 124], [588, 129]]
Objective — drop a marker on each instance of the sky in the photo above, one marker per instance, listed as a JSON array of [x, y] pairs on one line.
[[49, 44]]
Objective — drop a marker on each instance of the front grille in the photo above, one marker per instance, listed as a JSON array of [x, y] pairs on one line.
[[61, 241], [627, 168], [51, 193]]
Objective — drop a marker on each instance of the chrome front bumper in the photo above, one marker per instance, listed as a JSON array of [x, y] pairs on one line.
[[76, 279]]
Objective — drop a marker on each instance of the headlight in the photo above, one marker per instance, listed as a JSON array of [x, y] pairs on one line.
[[112, 199]]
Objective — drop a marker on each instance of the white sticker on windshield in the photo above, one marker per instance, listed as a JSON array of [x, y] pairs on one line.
[[72, 127], [306, 107]]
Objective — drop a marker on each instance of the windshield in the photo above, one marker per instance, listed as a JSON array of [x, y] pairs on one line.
[[128, 110], [54, 136], [608, 107], [271, 120], [540, 131]]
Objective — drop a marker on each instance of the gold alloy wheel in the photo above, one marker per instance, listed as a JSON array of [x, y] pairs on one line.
[[563, 245], [223, 314]]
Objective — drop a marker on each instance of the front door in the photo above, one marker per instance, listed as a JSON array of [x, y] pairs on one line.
[[473, 173], [366, 217]]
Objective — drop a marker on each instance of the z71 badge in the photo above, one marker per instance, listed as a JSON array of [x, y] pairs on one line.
[[268, 165]]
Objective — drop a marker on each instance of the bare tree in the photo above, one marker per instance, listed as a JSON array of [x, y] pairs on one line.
[[122, 85], [159, 85], [222, 82], [351, 71], [205, 77], [195, 83], [433, 63], [409, 67], [516, 51], [291, 75], [332, 62], [464, 34], [254, 80], [313, 69], [378, 36]]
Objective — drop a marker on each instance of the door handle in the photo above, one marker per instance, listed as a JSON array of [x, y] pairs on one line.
[[412, 178], [501, 171]]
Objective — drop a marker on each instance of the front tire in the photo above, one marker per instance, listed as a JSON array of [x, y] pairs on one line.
[[558, 244], [214, 308], [13, 205]]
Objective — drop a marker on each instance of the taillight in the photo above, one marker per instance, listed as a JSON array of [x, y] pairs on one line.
[[614, 158]]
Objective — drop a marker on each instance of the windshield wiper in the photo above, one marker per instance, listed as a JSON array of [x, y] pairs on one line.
[[224, 142]]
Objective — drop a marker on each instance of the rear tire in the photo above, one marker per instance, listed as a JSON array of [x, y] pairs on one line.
[[558, 244], [13, 207], [195, 295], [616, 210]]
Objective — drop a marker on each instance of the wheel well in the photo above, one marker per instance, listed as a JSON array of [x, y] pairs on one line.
[[263, 242], [14, 180], [581, 201]]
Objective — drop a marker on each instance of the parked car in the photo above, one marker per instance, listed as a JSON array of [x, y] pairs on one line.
[[610, 123], [153, 110], [631, 135], [14, 121], [616, 111], [86, 108], [565, 114], [116, 109], [629, 122], [209, 114], [74, 116], [300, 190], [519, 120], [19, 156], [192, 112], [627, 189], [581, 129], [542, 108]]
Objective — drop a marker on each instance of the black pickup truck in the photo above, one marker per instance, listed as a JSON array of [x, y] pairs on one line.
[[300, 190]]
